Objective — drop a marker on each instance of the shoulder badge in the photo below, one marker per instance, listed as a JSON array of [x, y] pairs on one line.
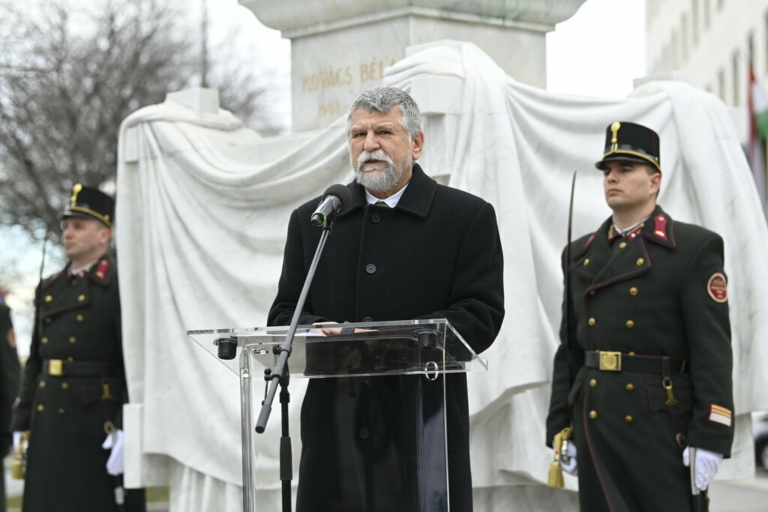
[[717, 287]]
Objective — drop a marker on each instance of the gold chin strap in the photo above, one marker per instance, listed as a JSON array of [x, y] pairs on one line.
[[615, 139], [75, 190]]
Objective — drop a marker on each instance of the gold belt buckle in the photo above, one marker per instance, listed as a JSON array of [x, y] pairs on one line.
[[610, 361], [56, 367]]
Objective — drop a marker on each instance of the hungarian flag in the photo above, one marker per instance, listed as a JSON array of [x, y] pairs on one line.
[[758, 131]]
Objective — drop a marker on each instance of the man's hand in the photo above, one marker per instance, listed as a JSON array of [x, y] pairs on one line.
[[707, 464], [16, 438], [568, 459], [116, 462], [327, 331]]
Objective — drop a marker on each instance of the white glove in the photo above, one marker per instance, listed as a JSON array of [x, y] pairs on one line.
[[16, 439], [569, 465], [707, 464], [116, 462]]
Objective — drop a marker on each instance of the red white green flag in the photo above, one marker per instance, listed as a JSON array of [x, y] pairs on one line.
[[758, 132]]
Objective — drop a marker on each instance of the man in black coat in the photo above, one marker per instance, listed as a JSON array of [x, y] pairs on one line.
[[9, 383], [644, 368], [426, 251], [73, 385]]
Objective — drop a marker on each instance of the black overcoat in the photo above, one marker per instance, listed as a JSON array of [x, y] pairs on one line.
[[77, 319], [437, 254], [9, 385], [661, 293]]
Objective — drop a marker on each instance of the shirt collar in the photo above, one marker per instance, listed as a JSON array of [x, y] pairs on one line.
[[391, 200]]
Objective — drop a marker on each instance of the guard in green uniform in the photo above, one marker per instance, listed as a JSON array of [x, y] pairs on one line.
[[73, 387], [644, 368], [9, 383]]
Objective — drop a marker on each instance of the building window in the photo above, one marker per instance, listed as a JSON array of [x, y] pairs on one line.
[[695, 21], [707, 12], [720, 4], [735, 70], [684, 37], [721, 84]]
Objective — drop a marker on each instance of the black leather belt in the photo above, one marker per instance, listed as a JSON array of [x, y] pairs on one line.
[[618, 362], [62, 368]]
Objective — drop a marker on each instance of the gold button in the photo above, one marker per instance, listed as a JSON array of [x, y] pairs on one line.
[[622, 245], [640, 262], [70, 359], [61, 411], [48, 320], [41, 408], [42, 384], [593, 383], [661, 218], [630, 387], [593, 414], [586, 262], [630, 324], [630, 353], [633, 291], [72, 339], [49, 298], [44, 340], [591, 322], [592, 292], [629, 419], [64, 385], [80, 318], [81, 298]]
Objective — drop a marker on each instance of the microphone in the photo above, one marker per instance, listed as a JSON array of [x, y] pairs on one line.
[[334, 200]]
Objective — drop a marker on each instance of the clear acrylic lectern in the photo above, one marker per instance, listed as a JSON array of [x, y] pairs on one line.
[[386, 447]]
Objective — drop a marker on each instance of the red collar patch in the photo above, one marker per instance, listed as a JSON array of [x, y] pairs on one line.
[[660, 226]]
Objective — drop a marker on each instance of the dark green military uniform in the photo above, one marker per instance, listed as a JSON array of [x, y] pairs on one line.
[[73, 387], [9, 385], [659, 292], [73, 384]]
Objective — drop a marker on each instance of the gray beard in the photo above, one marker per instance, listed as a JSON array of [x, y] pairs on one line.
[[377, 181]]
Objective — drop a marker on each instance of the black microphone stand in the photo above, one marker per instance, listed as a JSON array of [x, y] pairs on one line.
[[279, 375]]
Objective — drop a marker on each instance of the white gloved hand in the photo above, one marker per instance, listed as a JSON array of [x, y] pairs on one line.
[[116, 442], [569, 464], [16, 439], [707, 464]]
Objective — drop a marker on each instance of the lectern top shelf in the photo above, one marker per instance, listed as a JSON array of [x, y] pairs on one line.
[[361, 349]]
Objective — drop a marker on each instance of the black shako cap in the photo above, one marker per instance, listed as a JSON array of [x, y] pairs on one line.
[[90, 203], [633, 142]]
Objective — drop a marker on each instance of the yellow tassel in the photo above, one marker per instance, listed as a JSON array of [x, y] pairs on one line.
[[17, 466], [555, 478]]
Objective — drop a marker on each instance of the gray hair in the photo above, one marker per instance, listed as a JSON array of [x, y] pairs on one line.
[[382, 99]]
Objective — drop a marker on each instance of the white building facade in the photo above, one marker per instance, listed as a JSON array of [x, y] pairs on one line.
[[713, 43]]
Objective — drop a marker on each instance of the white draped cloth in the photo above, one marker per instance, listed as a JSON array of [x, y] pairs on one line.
[[202, 211]]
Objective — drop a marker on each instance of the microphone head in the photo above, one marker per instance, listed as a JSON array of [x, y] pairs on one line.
[[342, 192]]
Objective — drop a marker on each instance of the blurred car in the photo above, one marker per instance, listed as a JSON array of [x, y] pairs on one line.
[[760, 434]]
